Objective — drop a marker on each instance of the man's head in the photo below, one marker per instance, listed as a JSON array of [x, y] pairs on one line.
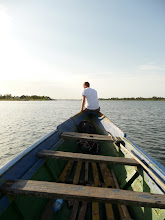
[[86, 85]]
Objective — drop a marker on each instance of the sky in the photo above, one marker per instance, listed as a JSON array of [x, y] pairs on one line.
[[51, 47]]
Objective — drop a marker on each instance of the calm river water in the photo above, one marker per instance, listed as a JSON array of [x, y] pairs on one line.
[[23, 123]]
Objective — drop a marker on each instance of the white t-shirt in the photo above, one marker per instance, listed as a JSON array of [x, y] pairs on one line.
[[91, 98]]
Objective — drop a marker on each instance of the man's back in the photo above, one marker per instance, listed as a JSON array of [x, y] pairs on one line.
[[91, 98]]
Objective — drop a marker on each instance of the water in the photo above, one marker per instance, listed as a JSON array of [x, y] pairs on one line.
[[23, 123]]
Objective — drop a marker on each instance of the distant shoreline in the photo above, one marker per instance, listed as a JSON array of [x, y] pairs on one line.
[[154, 98], [9, 97], [40, 100], [15, 100]]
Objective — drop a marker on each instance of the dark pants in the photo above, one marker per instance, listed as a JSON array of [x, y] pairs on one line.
[[89, 110]]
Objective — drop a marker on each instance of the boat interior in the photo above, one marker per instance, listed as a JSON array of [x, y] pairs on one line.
[[83, 180]]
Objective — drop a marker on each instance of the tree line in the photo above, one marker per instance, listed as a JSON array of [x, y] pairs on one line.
[[23, 97], [154, 98]]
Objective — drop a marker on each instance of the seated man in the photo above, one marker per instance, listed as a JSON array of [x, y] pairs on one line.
[[90, 96]]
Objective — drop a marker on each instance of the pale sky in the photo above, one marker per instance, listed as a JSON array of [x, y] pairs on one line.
[[51, 47]]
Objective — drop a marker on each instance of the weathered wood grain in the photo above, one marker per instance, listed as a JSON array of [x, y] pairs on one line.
[[86, 171], [84, 193], [74, 210], [83, 211], [65, 173], [107, 176], [95, 175], [77, 172], [95, 211], [87, 157], [84, 204], [124, 214], [76, 202], [85, 136], [108, 180], [95, 205]]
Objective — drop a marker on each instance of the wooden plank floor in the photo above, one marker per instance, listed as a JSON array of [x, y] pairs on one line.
[[95, 205], [87, 157], [124, 214], [65, 173], [103, 189], [108, 180], [75, 181], [83, 209], [48, 211], [85, 136]]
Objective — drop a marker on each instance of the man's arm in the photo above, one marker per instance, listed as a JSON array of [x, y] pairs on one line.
[[83, 102]]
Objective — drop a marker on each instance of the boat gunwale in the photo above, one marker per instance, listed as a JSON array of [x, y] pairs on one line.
[[152, 164], [149, 160], [13, 161]]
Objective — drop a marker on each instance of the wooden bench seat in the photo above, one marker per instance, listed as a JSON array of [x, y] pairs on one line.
[[82, 193], [85, 136], [87, 157]]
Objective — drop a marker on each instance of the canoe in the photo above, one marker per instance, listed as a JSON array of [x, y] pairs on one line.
[[120, 182]]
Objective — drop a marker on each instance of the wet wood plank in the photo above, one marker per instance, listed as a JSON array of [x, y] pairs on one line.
[[82, 193], [87, 157], [65, 173], [83, 211], [85, 136], [95, 211], [77, 172], [86, 171], [108, 180], [76, 202], [84, 204], [74, 210], [109, 211], [107, 176], [95, 205], [95, 175], [124, 214]]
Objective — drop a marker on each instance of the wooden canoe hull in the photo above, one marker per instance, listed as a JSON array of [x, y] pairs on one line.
[[28, 166]]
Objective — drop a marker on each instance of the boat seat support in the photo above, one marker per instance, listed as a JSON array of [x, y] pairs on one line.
[[85, 136], [82, 193], [87, 157]]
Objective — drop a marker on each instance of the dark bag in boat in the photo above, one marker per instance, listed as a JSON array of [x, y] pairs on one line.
[[87, 146], [86, 127]]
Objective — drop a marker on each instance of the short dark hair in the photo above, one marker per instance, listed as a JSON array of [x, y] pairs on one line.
[[87, 84]]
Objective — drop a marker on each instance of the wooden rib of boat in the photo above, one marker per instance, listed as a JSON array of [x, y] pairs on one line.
[[122, 182]]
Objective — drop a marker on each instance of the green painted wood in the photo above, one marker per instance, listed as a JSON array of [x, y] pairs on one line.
[[84, 193], [87, 157]]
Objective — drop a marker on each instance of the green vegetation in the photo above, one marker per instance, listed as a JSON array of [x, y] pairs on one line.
[[154, 98], [9, 97]]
